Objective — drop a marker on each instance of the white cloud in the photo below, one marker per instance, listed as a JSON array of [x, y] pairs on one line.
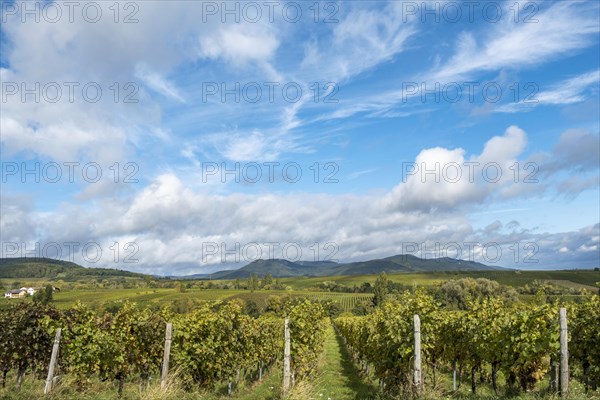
[[444, 179], [174, 227], [234, 145], [108, 53], [65, 141], [171, 221], [504, 149], [569, 91], [361, 40], [563, 27], [358, 174], [158, 83], [241, 44]]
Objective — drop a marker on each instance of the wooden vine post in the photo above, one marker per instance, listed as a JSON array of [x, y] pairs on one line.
[[563, 380], [287, 371], [166, 355], [53, 359], [417, 369], [454, 375]]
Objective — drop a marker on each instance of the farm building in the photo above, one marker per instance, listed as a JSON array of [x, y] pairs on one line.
[[19, 293], [15, 294], [30, 291]]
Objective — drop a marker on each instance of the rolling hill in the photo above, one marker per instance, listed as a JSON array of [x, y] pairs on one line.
[[393, 264], [47, 268]]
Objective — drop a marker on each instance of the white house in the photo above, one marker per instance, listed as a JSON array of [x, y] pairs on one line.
[[30, 291], [20, 293], [15, 294]]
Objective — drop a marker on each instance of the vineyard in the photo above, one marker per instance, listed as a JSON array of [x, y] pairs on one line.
[[520, 342], [219, 347], [214, 344], [346, 301]]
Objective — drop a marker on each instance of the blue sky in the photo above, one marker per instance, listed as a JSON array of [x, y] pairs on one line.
[[163, 98]]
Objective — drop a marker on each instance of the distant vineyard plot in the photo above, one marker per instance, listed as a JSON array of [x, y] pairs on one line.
[[346, 300]]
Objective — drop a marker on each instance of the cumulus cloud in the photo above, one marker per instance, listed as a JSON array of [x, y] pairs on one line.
[[177, 228], [441, 178], [177, 231]]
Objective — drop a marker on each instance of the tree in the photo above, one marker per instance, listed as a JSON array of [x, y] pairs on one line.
[[267, 280], [44, 296], [365, 287], [456, 294], [48, 295], [253, 282], [380, 290]]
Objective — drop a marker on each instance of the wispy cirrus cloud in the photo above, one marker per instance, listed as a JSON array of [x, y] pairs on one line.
[[568, 91], [363, 39], [158, 83], [562, 28]]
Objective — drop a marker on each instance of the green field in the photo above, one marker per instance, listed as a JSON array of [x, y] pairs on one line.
[[164, 297], [510, 278], [298, 286]]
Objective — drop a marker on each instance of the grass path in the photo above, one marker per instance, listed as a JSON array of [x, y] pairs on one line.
[[338, 378], [268, 389]]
